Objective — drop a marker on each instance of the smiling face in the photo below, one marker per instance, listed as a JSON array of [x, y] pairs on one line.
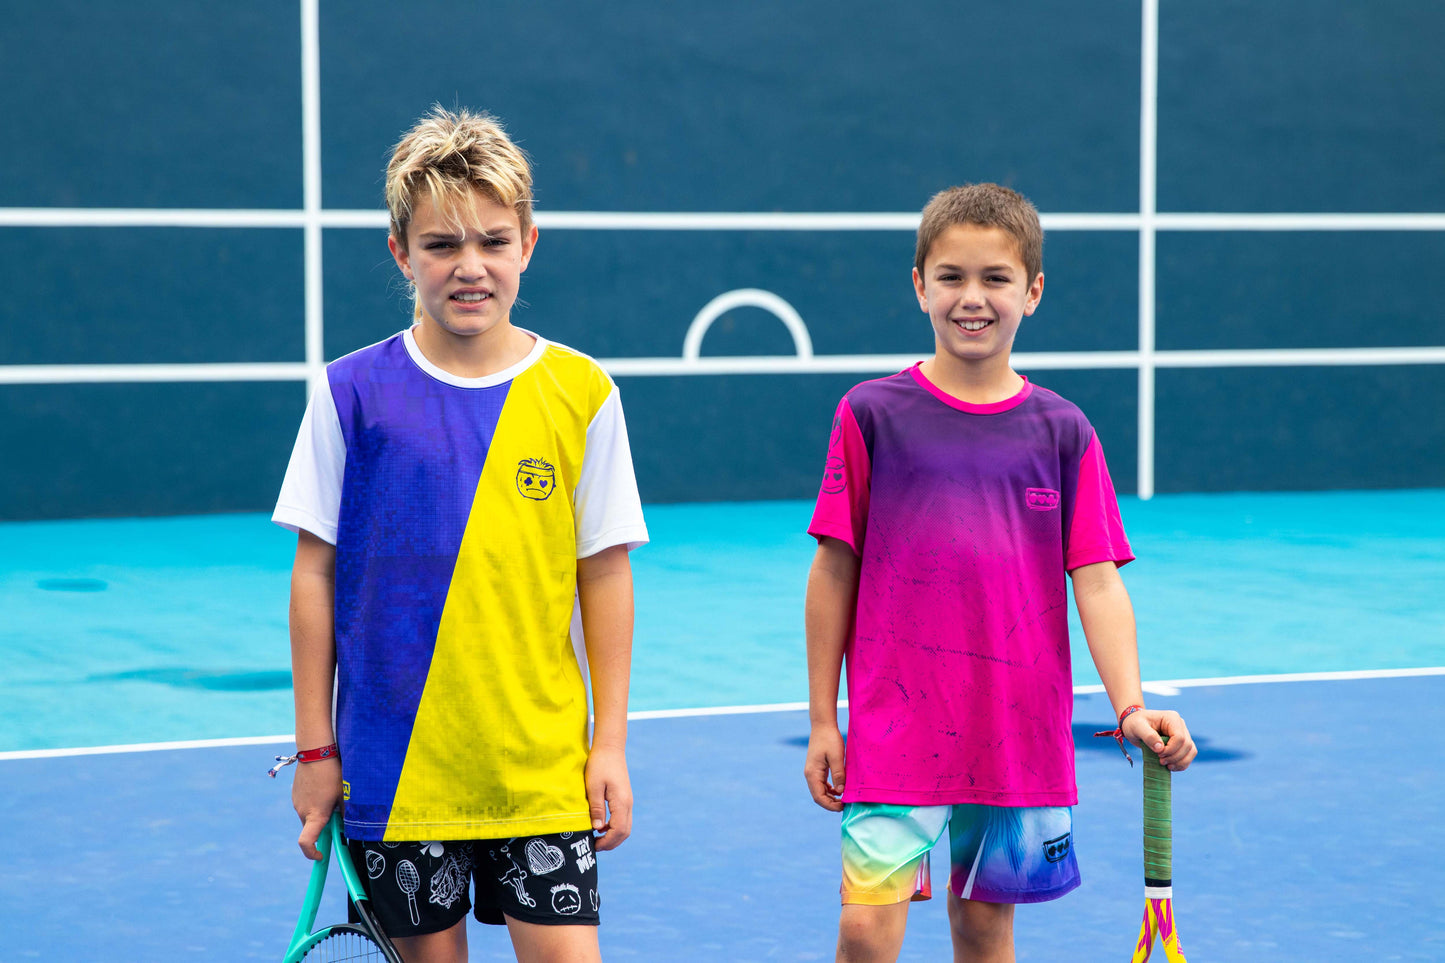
[[976, 291], [466, 268]]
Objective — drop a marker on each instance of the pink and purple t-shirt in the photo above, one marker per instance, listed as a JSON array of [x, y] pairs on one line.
[[966, 519]]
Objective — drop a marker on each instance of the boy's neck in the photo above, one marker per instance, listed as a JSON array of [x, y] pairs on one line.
[[472, 356], [983, 384]]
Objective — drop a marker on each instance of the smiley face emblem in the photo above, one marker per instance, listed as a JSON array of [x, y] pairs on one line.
[[536, 479]]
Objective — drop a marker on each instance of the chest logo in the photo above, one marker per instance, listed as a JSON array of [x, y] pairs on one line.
[[1041, 499], [536, 479]]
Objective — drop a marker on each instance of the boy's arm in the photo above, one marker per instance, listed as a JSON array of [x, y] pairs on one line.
[[316, 788], [1108, 620], [604, 589], [832, 597]]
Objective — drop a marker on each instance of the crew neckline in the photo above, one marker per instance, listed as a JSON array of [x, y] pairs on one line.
[[991, 408], [413, 350]]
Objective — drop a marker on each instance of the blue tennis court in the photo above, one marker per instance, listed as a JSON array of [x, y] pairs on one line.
[[728, 197], [1302, 636]]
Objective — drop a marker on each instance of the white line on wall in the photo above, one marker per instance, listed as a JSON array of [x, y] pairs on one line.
[[822, 221], [1148, 151], [314, 276], [763, 365]]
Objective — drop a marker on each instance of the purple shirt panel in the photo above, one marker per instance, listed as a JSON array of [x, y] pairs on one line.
[[965, 519]]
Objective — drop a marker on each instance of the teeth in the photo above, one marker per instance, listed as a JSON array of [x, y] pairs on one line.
[[973, 325], [469, 296]]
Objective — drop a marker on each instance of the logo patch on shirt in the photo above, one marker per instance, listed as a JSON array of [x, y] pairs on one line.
[[536, 479], [834, 479], [1056, 849], [1041, 499]]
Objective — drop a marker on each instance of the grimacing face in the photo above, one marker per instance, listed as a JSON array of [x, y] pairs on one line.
[[466, 278], [566, 899], [536, 479]]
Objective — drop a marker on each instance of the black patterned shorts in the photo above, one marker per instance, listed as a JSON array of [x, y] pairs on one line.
[[418, 888]]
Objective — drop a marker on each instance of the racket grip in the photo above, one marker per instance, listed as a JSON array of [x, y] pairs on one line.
[[1158, 823]]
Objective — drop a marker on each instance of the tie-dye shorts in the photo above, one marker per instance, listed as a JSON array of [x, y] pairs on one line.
[[998, 854]]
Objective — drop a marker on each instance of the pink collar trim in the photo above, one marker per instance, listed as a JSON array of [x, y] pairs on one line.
[[992, 408]]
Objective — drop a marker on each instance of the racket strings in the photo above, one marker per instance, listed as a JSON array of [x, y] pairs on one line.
[[341, 946]]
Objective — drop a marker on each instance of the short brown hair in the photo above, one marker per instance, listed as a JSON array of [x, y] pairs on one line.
[[985, 205], [448, 155]]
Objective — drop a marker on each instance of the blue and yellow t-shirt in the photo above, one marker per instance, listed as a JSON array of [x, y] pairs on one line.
[[459, 508]]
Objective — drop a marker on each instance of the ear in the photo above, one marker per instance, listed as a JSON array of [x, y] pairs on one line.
[[1036, 294], [399, 254], [529, 243], [919, 289]]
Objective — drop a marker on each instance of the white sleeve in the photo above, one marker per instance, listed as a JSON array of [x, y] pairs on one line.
[[311, 492], [609, 511]]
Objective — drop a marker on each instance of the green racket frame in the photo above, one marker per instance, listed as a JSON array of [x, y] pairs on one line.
[[333, 840]]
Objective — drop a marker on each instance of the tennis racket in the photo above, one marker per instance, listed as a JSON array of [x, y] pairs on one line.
[[1158, 864], [361, 941]]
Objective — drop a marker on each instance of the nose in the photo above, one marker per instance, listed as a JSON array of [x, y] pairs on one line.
[[973, 294], [471, 265]]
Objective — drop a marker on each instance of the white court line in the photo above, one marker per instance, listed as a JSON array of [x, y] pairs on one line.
[[1158, 688], [147, 747]]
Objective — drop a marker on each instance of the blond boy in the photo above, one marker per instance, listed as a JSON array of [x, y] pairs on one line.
[[464, 500]]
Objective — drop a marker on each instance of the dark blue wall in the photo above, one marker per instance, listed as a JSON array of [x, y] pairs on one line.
[[752, 107]]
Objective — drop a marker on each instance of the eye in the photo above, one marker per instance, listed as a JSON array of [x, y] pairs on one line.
[[438, 245], [496, 242]]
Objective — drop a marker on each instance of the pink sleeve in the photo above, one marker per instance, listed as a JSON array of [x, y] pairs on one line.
[[842, 508], [1096, 533]]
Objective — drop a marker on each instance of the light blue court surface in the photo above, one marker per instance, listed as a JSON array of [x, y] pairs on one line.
[[1307, 830], [175, 629]]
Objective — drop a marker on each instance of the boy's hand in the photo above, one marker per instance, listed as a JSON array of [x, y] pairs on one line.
[[825, 757], [315, 791], [1145, 728], [609, 796]]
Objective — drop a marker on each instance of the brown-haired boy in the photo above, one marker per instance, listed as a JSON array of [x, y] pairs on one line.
[[956, 497]]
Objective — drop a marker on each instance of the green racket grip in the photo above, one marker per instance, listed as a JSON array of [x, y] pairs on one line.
[[314, 887], [1158, 822]]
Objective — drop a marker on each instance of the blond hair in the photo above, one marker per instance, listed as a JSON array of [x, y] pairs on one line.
[[984, 205], [449, 156]]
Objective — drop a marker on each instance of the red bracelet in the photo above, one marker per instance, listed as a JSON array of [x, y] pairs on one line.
[[304, 755], [1118, 733], [316, 755]]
